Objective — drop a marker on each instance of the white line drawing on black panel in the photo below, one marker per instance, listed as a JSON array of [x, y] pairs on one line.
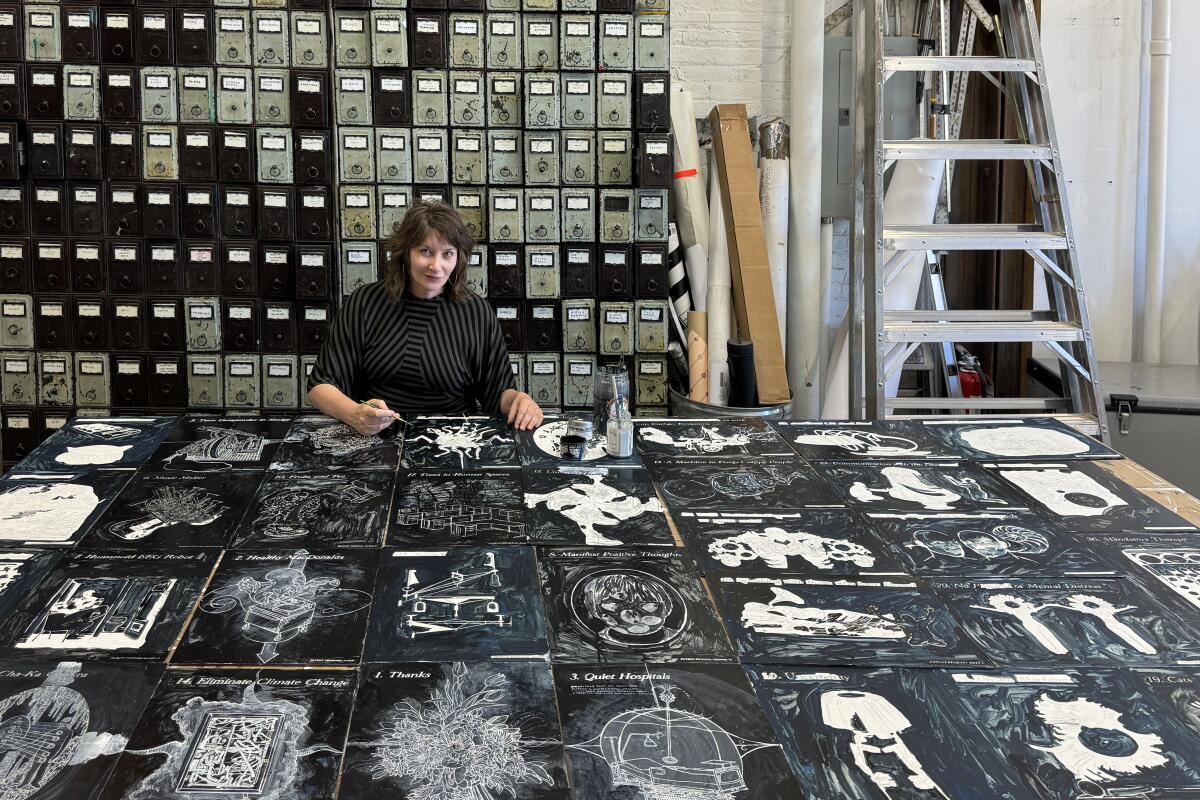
[[863, 443], [1021, 441], [450, 604], [1084, 733], [592, 503], [629, 608], [459, 744], [738, 484], [466, 520], [709, 441], [1179, 570], [906, 485], [99, 614], [10, 568], [340, 440], [1100, 609], [1066, 493], [47, 512], [167, 506], [288, 512], [1002, 541], [775, 545], [876, 745], [787, 615], [92, 454], [464, 440], [247, 748], [665, 753], [225, 446], [284, 603], [548, 438]]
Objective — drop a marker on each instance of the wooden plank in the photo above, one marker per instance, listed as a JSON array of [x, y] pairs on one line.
[[1155, 487]]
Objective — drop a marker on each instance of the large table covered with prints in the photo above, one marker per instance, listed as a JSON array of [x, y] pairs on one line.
[[256, 607]]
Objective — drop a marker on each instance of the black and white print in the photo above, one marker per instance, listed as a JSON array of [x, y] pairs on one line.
[[54, 509], [668, 733], [1042, 623], [20, 573], [459, 443], [230, 734], [739, 485], [917, 486], [108, 605], [984, 545], [436, 507], [1074, 734], [1081, 496], [99, 443], [347, 509], [64, 725], [622, 606], [792, 620], [217, 449], [475, 731], [1165, 564], [1032, 438], [323, 444], [542, 447], [876, 440], [595, 506], [880, 734], [831, 543], [709, 437], [464, 603], [165, 511], [197, 427], [1178, 691], [283, 608]]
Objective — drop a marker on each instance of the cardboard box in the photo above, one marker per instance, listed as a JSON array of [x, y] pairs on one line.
[[750, 272]]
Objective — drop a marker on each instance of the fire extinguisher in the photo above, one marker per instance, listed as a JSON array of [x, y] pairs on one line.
[[971, 379]]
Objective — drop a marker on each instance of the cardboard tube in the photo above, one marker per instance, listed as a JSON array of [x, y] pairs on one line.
[[677, 284], [691, 205], [774, 180], [697, 327], [720, 298]]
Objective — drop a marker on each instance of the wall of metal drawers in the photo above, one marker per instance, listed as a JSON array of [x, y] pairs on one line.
[[188, 188]]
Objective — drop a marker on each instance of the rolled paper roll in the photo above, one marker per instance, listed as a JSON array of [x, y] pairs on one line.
[[743, 385], [720, 297], [677, 284], [690, 202], [698, 356]]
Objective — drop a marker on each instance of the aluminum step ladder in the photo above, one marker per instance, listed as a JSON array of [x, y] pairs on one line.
[[876, 335]]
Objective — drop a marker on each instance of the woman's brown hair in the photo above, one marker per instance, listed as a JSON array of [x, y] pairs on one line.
[[422, 219]]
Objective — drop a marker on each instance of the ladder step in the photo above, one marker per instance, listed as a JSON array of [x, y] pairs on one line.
[[1084, 423], [966, 150], [993, 404], [977, 326], [972, 237], [957, 64]]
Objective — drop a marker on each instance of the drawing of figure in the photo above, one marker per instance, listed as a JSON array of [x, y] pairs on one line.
[[464, 440], [167, 506], [710, 440], [665, 753], [41, 732], [863, 443], [787, 615], [775, 545], [289, 513], [465, 599], [245, 748], [1090, 742], [99, 614], [591, 503], [460, 744], [1065, 492], [1025, 612], [223, 446], [628, 608], [908, 486], [340, 440], [284, 603], [45, 512], [876, 745]]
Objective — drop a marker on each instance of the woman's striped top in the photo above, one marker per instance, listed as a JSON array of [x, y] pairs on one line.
[[418, 356]]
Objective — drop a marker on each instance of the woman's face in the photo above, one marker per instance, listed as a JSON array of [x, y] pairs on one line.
[[430, 265]]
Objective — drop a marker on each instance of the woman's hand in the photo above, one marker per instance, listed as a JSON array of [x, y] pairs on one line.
[[523, 413], [371, 417]]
